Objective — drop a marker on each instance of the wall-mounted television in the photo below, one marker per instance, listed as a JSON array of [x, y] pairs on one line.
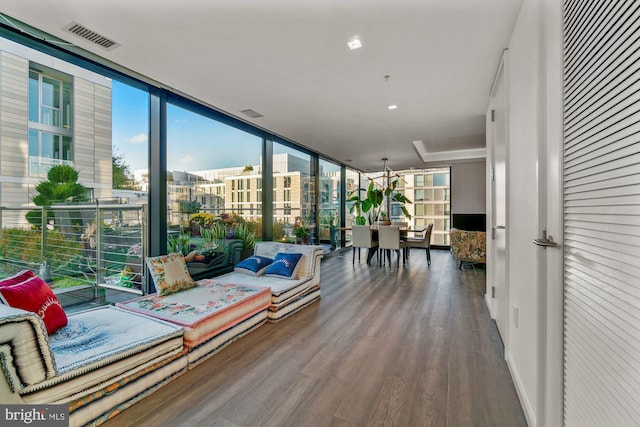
[[469, 222]]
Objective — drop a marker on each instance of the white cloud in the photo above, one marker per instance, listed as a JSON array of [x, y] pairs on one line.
[[186, 159], [138, 138]]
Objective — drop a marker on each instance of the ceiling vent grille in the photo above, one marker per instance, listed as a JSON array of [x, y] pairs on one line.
[[251, 113], [92, 36]]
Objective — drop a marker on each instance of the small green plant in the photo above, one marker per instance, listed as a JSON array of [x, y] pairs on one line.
[[244, 233], [179, 244], [301, 231]]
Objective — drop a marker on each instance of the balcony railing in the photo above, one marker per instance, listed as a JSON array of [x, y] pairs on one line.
[[81, 248], [39, 166]]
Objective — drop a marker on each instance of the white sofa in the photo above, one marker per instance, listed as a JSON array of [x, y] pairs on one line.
[[288, 296]]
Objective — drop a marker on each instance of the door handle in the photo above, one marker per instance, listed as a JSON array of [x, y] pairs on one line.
[[545, 242], [494, 229]]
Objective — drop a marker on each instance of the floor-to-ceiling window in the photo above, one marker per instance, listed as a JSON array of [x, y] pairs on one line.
[[110, 125], [130, 143], [329, 202], [293, 194], [430, 192], [212, 168], [352, 183]]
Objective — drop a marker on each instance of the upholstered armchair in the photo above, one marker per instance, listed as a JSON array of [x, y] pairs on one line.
[[469, 246]]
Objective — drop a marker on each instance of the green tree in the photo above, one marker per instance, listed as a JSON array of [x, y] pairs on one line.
[[121, 173], [61, 186]]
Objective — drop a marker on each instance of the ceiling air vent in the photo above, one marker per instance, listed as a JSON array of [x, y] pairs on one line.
[[251, 113], [92, 36]]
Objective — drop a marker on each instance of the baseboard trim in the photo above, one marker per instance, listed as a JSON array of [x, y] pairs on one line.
[[489, 302], [529, 413]]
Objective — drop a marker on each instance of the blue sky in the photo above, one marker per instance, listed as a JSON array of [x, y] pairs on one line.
[[194, 142]]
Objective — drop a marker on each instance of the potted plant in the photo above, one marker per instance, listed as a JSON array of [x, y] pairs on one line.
[[383, 219], [248, 237], [374, 200], [179, 244], [302, 234]]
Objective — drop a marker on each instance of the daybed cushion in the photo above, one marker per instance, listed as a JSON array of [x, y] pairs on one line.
[[254, 265], [205, 310], [170, 273], [98, 345], [216, 343], [281, 289], [25, 357], [285, 266], [36, 296], [294, 304]]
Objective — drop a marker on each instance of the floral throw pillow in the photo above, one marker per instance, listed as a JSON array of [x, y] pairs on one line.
[[254, 265], [170, 274], [285, 266], [36, 296]]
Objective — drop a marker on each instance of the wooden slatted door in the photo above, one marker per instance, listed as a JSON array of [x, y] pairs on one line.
[[601, 213]]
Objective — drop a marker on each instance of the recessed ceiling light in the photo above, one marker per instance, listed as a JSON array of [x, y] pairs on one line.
[[392, 107], [354, 43]]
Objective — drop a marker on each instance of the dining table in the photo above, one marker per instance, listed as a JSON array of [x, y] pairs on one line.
[[374, 229]]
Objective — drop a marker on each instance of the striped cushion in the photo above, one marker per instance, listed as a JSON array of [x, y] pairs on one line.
[[25, 357]]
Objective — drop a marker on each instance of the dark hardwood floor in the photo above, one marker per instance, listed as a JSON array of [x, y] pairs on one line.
[[412, 346]]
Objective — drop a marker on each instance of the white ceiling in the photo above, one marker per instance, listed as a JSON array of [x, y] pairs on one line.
[[289, 60]]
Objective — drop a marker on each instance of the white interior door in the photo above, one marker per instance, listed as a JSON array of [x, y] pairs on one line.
[[500, 291]]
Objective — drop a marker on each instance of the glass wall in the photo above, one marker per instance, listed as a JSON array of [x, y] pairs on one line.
[[214, 164], [293, 195], [214, 170], [329, 202], [130, 143], [352, 184]]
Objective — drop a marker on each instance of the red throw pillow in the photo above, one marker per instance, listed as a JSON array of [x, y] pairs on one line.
[[36, 296], [17, 278]]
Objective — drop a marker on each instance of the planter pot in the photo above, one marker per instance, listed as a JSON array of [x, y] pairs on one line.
[[195, 229]]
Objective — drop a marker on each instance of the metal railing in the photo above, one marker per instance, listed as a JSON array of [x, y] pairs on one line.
[[39, 166], [76, 246]]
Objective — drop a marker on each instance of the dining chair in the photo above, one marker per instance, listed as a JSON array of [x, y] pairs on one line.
[[362, 237], [423, 241], [389, 239]]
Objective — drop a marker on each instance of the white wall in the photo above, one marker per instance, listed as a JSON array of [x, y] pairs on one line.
[[468, 189], [522, 206]]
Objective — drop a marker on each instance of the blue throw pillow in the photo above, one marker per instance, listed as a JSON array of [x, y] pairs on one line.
[[284, 266], [254, 265]]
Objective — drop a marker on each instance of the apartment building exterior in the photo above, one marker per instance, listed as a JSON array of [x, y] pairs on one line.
[[51, 112]]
